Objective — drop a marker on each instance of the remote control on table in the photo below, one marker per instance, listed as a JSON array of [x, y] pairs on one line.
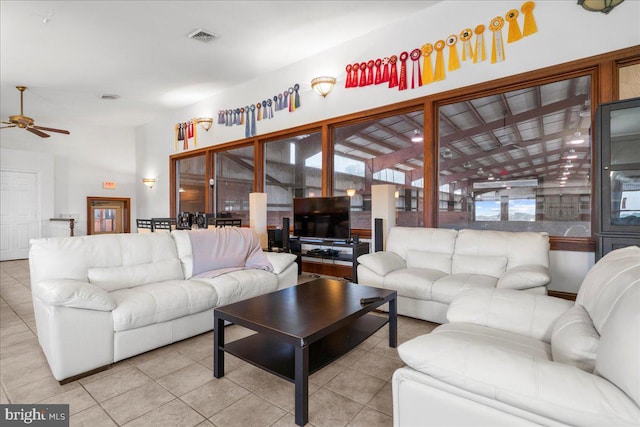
[[369, 300]]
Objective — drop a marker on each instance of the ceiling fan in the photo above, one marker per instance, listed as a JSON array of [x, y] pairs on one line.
[[24, 122]]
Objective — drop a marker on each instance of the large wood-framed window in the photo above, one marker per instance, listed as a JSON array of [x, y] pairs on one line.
[[604, 73]]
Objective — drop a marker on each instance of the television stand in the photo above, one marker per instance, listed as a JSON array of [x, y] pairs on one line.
[[323, 251]]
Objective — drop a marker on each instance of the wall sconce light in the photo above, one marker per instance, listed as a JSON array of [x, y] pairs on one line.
[[149, 182], [604, 6], [212, 182], [323, 85], [417, 136], [351, 192], [396, 194], [205, 122]]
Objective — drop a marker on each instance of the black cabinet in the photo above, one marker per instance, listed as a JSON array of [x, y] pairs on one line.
[[617, 175], [329, 251]]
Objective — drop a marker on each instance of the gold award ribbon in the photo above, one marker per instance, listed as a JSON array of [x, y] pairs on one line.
[[514, 28], [480, 52], [439, 72], [427, 71], [467, 50], [530, 26], [497, 45], [454, 59]]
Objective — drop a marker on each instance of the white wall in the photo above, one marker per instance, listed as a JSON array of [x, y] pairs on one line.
[[82, 161]]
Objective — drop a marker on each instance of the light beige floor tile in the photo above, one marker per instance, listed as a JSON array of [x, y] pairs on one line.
[[130, 405], [351, 357], [289, 420], [78, 400], [355, 385], [326, 374], [205, 423], [175, 413], [250, 411], [119, 382], [230, 363], [164, 364], [383, 400], [111, 370], [380, 367], [196, 348], [383, 349], [214, 396], [3, 397], [329, 409], [371, 418], [186, 379], [92, 417]]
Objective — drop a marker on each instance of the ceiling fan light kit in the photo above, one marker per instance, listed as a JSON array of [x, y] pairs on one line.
[[23, 122]]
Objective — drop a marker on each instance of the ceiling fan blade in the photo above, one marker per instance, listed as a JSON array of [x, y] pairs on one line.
[[51, 129], [4, 127], [37, 132], [7, 123]]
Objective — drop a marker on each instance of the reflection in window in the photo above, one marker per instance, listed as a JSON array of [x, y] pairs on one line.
[[234, 182], [389, 150], [519, 160], [293, 168], [191, 174]]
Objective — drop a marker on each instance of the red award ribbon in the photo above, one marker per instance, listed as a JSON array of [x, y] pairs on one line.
[[514, 33], [385, 70], [378, 78], [393, 71], [454, 59], [416, 74], [347, 82], [497, 45], [363, 74], [427, 71], [439, 73], [354, 76], [480, 52], [370, 65], [402, 84], [467, 50], [530, 26]]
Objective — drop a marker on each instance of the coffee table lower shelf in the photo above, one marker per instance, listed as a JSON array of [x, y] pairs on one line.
[[277, 357]]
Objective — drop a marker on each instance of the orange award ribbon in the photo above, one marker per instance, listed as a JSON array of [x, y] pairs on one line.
[[497, 45], [439, 73], [385, 70], [427, 71], [530, 26], [259, 111], [292, 103], [378, 78], [393, 71], [467, 50], [363, 74], [480, 52], [347, 82], [514, 28], [416, 74], [454, 59], [402, 84]]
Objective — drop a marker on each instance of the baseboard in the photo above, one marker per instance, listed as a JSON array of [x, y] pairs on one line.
[[564, 295]]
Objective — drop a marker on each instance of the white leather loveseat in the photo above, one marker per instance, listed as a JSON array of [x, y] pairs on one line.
[[428, 267], [512, 358], [100, 299]]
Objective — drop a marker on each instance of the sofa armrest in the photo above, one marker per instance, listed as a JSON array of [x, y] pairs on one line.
[[509, 310], [73, 293], [280, 261], [382, 263], [525, 277]]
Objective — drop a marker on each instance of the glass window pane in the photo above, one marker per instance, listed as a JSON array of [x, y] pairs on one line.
[[293, 168], [234, 182], [518, 161], [191, 173], [388, 150]]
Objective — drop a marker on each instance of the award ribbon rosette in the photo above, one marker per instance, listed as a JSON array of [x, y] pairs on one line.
[[402, 84], [427, 71], [393, 71], [416, 73], [378, 78], [347, 81], [530, 26], [467, 50], [480, 52], [370, 65], [454, 59], [497, 44], [439, 72], [363, 74], [514, 34], [385, 70]]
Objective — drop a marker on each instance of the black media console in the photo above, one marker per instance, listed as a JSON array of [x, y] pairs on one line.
[[334, 250]]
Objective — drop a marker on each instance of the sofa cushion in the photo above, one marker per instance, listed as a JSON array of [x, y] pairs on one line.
[[427, 259], [493, 266], [382, 263], [160, 302], [412, 282], [241, 284], [446, 289], [574, 340], [402, 239], [114, 278], [525, 277]]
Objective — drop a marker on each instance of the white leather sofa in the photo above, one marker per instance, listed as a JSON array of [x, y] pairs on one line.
[[512, 358], [100, 299], [428, 267]]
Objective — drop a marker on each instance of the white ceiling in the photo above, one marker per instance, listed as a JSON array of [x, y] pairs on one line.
[[70, 53]]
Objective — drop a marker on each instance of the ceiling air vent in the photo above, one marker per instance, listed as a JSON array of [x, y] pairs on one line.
[[110, 96], [202, 35]]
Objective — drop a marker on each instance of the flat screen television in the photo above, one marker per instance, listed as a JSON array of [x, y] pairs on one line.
[[322, 217]]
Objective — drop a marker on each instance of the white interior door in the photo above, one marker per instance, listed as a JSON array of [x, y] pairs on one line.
[[19, 213]]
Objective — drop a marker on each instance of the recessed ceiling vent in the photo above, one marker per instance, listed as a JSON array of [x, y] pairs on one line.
[[110, 96], [202, 35]]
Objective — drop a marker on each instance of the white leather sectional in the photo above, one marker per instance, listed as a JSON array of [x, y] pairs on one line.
[[428, 267], [100, 299], [513, 358]]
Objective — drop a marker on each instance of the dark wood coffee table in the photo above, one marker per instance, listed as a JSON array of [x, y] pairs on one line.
[[302, 329]]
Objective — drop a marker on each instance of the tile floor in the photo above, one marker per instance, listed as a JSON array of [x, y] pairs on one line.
[[174, 385]]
